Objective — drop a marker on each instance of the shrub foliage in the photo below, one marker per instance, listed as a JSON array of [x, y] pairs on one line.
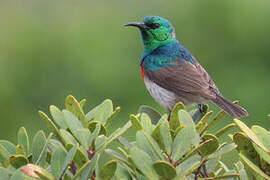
[[181, 148]]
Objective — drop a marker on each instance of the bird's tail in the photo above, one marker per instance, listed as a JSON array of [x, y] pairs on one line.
[[232, 109]]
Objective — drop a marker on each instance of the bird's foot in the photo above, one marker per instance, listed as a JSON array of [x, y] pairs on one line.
[[169, 116], [201, 108]]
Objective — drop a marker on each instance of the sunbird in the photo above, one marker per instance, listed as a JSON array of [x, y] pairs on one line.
[[172, 74]]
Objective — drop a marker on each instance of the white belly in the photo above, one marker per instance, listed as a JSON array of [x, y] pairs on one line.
[[164, 97]]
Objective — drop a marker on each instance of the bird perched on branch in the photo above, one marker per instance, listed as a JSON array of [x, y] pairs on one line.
[[170, 72]]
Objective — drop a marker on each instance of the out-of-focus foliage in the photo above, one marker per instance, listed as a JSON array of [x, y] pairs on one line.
[[49, 49]]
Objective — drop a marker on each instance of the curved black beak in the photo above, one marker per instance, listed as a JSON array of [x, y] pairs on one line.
[[140, 25]]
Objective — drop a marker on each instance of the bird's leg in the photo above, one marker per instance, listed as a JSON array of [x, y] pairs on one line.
[[200, 107], [169, 115]]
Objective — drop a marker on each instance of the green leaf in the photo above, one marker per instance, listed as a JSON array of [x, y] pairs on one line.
[[185, 119], [264, 137], [174, 133], [70, 156], [151, 112], [18, 160], [136, 123], [156, 135], [122, 173], [124, 142], [81, 170], [23, 140], [92, 126], [210, 147], [81, 156], [123, 152], [241, 170], [4, 155], [143, 162], [164, 169], [72, 121], [217, 118], [68, 176], [82, 103], [4, 173], [197, 115], [148, 144], [57, 162], [83, 135], [67, 137], [52, 127], [242, 141], [166, 137], [115, 135], [183, 141], [255, 169], [10, 147], [224, 129], [146, 123], [211, 164], [74, 106], [97, 168], [116, 155], [223, 150], [39, 148], [202, 124], [250, 134], [100, 140], [174, 118], [245, 146], [40, 160], [90, 168], [189, 165], [95, 133], [58, 117], [108, 170], [194, 151], [7, 149], [112, 116], [20, 150], [226, 176], [53, 144], [102, 112]]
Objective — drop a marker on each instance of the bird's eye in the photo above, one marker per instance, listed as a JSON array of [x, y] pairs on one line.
[[154, 25]]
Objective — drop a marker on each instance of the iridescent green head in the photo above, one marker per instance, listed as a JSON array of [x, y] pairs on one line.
[[156, 31]]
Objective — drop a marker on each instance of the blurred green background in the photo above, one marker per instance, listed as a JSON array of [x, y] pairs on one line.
[[52, 48]]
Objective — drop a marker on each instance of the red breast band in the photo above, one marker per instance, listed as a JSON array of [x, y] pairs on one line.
[[142, 71]]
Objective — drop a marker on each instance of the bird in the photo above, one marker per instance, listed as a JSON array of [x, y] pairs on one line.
[[172, 74]]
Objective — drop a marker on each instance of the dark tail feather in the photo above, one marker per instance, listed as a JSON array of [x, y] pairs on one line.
[[232, 109]]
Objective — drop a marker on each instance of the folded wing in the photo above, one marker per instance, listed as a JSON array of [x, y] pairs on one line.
[[191, 78]]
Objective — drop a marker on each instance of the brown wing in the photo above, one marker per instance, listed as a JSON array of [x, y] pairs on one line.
[[184, 77], [206, 76]]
